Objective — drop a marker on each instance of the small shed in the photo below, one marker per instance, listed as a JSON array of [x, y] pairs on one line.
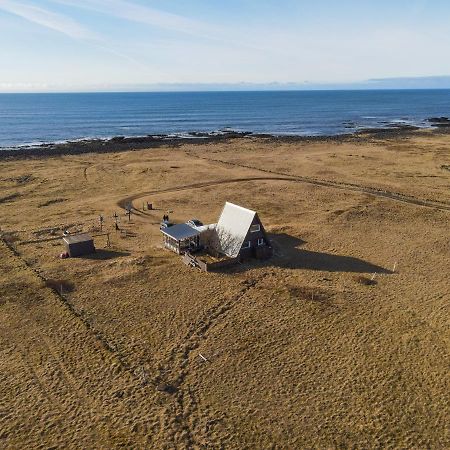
[[181, 238], [79, 244]]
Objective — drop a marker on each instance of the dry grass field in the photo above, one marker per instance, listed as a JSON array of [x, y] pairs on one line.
[[303, 351]]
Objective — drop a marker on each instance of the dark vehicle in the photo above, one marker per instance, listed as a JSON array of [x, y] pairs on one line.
[[165, 224], [195, 223]]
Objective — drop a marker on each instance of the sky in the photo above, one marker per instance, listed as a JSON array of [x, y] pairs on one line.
[[89, 45]]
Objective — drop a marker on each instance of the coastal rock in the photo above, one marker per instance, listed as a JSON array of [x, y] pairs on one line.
[[439, 121]]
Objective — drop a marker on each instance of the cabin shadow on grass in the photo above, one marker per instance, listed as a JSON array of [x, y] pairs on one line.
[[102, 254], [288, 255]]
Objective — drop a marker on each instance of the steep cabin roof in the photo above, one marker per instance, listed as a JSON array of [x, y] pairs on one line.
[[232, 228]]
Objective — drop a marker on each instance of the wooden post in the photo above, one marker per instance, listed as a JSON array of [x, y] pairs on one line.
[[128, 209]]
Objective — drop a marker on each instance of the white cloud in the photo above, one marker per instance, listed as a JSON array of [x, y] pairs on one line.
[[143, 14], [48, 19], [65, 25], [133, 12], [194, 51]]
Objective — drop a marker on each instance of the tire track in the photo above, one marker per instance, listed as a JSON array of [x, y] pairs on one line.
[[177, 363], [389, 195], [377, 192], [51, 378], [67, 398], [80, 316], [122, 203], [43, 388]]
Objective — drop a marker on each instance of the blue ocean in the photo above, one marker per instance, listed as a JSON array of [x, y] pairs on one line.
[[33, 119]]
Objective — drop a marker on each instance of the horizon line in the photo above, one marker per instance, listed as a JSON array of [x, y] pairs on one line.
[[433, 82], [225, 90]]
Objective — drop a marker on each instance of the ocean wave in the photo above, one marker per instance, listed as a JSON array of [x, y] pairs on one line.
[[26, 123]]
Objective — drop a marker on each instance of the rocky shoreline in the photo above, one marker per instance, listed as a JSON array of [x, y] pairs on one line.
[[122, 143]]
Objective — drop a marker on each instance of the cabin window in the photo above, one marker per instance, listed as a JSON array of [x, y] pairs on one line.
[[260, 242], [246, 244], [255, 228]]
